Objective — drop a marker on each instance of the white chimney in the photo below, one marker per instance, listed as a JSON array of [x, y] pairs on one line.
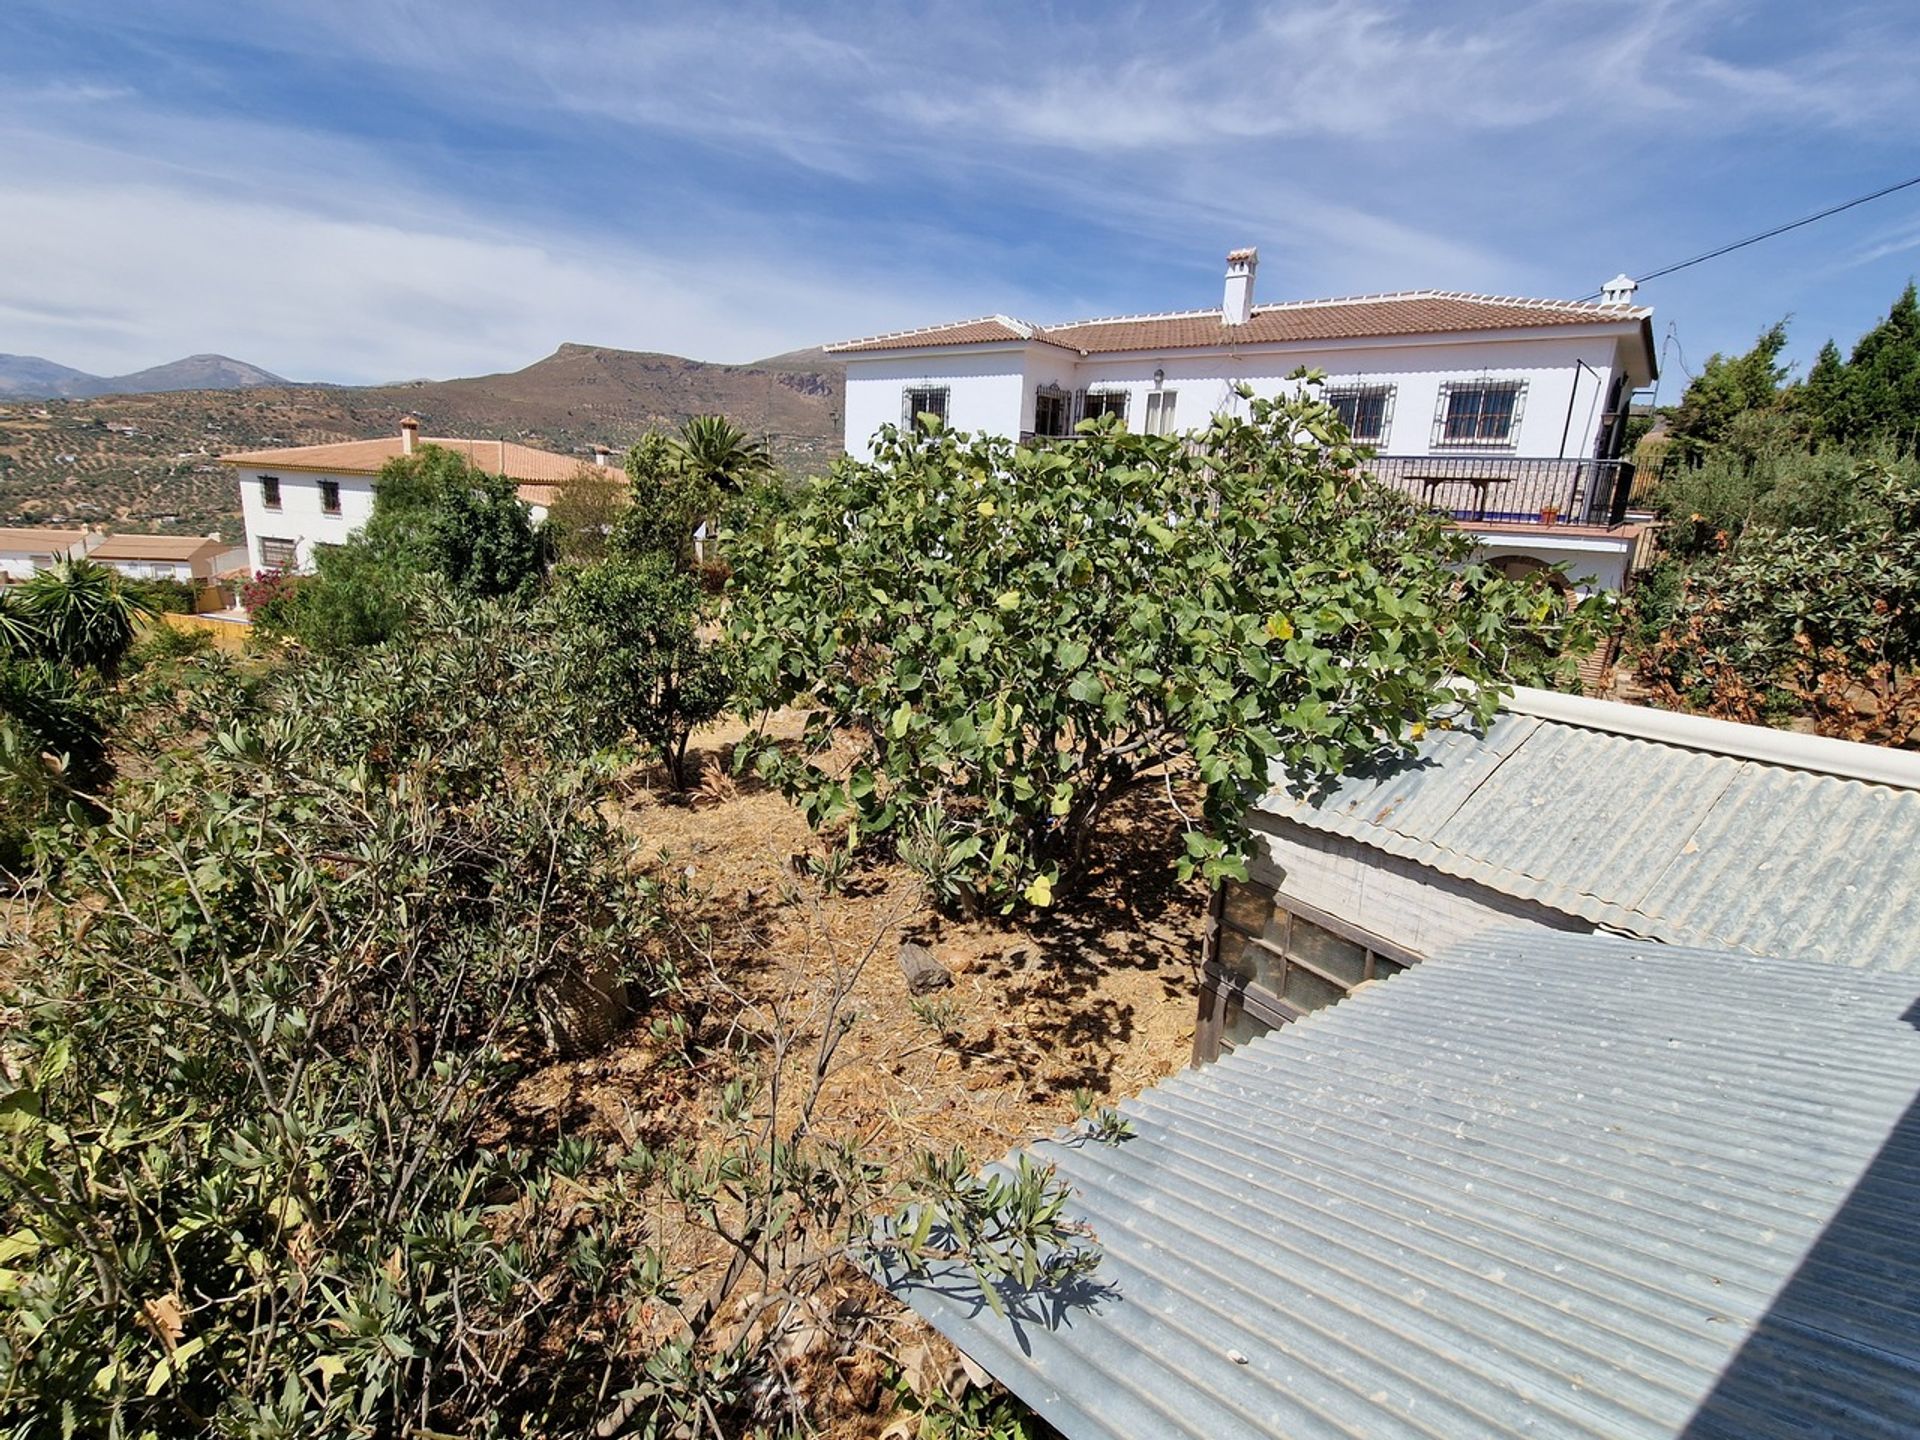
[[409, 435], [1619, 290], [600, 453], [1238, 307]]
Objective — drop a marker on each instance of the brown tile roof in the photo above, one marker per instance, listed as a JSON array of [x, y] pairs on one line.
[[961, 332], [38, 540], [157, 547], [365, 457], [1412, 312]]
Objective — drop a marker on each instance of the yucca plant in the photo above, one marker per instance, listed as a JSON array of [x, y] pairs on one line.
[[84, 616]]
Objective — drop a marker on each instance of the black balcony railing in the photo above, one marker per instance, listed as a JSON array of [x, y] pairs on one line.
[[1512, 490], [1495, 489]]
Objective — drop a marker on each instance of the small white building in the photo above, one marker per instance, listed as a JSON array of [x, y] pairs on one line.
[[185, 558], [27, 550], [1508, 413], [300, 496]]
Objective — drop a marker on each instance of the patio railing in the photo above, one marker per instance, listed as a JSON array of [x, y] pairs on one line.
[[1513, 490]]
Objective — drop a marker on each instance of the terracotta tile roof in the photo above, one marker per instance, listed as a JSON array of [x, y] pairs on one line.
[[38, 540], [365, 457], [1412, 312], [158, 547], [961, 332]]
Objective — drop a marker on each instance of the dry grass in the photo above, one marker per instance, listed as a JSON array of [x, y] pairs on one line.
[[1097, 996]]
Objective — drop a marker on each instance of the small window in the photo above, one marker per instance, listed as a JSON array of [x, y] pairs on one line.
[[1366, 411], [1271, 960], [270, 491], [1481, 412], [277, 554], [1050, 411], [1097, 404], [330, 496], [923, 400], [1160, 405]]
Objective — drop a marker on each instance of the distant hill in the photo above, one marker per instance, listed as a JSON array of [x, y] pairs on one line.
[[28, 377], [149, 460]]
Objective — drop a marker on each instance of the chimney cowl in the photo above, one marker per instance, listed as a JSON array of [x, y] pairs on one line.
[[1619, 290], [600, 454], [1236, 307], [409, 434]]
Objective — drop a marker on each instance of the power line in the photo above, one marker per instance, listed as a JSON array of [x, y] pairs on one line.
[[1768, 234]]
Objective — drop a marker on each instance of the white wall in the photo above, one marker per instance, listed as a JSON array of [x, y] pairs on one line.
[[1593, 562], [151, 569], [300, 517], [987, 391]]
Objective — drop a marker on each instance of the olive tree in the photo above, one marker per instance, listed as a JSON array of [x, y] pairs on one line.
[[1016, 637]]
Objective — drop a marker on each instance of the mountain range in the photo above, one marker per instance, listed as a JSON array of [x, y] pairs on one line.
[[150, 461], [28, 377]]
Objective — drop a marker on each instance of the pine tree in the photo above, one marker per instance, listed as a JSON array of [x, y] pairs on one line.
[[1822, 400], [1727, 387], [1883, 378]]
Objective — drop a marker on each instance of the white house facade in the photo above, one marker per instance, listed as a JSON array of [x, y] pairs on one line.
[[299, 497], [27, 550], [185, 558], [1507, 413]]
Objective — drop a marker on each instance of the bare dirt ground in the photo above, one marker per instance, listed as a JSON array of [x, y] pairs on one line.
[[1097, 996]]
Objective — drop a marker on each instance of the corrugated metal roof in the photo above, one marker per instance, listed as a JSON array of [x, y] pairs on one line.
[[1544, 1186], [1662, 840]]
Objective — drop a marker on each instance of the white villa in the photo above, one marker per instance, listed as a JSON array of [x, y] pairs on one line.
[[185, 558], [25, 550], [306, 495], [1508, 413]]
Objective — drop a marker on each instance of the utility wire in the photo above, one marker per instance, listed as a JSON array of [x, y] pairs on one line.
[[1767, 234]]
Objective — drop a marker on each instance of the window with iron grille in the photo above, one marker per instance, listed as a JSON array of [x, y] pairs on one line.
[[1096, 404], [1479, 412], [277, 554], [1366, 411], [1050, 410], [1160, 404], [270, 491], [923, 400], [1271, 959], [330, 497]]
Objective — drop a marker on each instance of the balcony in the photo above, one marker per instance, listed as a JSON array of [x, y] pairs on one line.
[[1494, 489], [1507, 490]]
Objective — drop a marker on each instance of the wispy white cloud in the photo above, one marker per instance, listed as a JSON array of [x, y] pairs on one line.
[[749, 178]]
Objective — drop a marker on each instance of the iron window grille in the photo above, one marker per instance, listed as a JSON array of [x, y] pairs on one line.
[[918, 400], [1097, 404], [1271, 959], [277, 554], [270, 491], [1479, 412], [330, 497], [1051, 412], [1366, 411]]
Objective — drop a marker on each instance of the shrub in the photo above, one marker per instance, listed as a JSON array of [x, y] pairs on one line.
[[1806, 620], [1018, 637], [637, 662], [258, 1170], [583, 514], [171, 597], [53, 750]]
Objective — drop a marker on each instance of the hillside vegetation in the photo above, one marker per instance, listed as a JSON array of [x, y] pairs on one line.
[[150, 462]]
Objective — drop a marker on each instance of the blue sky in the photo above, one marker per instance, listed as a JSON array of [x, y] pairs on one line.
[[361, 192]]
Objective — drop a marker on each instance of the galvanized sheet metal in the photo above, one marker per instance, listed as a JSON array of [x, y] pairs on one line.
[[1648, 838], [1546, 1185]]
